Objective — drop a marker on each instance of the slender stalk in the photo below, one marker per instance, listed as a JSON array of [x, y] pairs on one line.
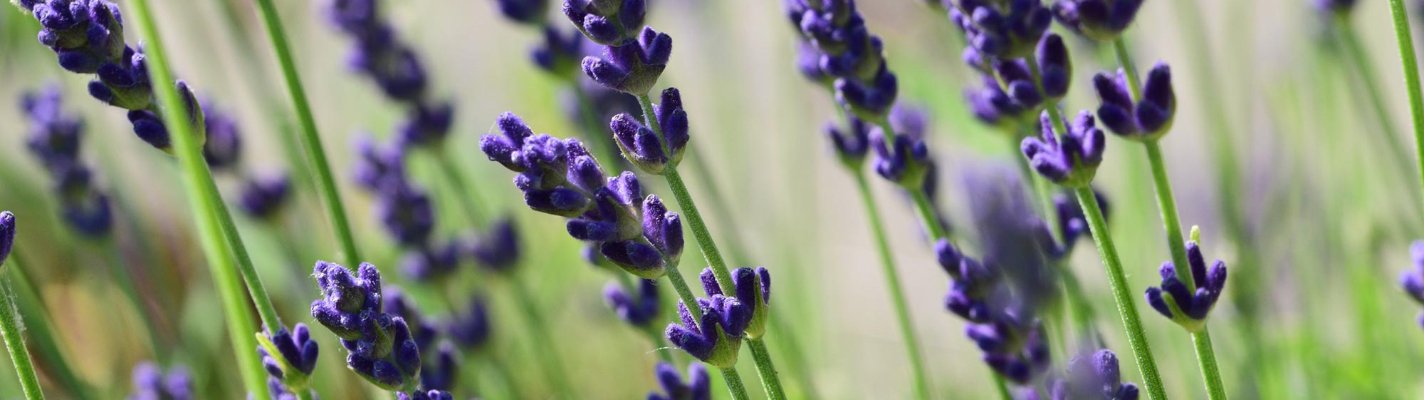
[[11, 327], [1167, 205], [550, 361], [311, 141], [771, 381], [734, 384], [38, 321], [892, 283], [466, 197], [1117, 280], [765, 368], [206, 206], [1411, 77]]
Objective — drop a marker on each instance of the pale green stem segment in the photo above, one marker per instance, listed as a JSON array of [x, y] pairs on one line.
[[1167, 206], [1410, 64], [765, 368], [734, 384], [210, 214], [11, 330], [311, 141], [892, 282], [550, 361]]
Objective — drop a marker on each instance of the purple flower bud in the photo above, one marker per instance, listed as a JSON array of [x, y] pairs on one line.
[[852, 143], [606, 22], [1337, 7], [223, 148], [524, 11], [149, 382], [638, 309], [430, 263], [1188, 306], [1100, 20], [1070, 159], [1054, 65], [471, 327], [560, 53], [427, 124], [716, 336], [379, 344], [1005, 30], [295, 356], [262, 197], [869, 99], [632, 67], [498, 249], [907, 164], [1094, 375], [1148, 118], [698, 386], [406, 212], [123, 82]]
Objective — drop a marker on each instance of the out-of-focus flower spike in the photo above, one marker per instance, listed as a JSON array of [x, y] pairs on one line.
[[698, 386]]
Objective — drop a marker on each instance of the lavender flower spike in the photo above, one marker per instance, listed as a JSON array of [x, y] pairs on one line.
[[150, 383], [1173, 299], [643, 147], [717, 336], [698, 386], [498, 249], [7, 235], [54, 139], [753, 287], [637, 309], [632, 67], [1100, 20], [289, 356], [379, 344], [470, 329], [1094, 376], [851, 144], [1070, 159], [1149, 117]]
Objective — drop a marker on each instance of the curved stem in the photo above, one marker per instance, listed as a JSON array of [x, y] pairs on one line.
[[11, 327], [467, 198], [1167, 207], [892, 282], [311, 141], [1126, 308], [734, 384], [550, 361], [207, 206], [771, 381], [1411, 77]]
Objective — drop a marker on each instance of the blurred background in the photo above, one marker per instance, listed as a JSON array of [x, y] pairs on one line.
[[1326, 214]]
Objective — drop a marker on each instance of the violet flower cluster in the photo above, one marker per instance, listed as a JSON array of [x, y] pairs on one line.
[[697, 387], [405, 211], [380, 55], [716, 337], [634, 56], [637, 309], [1145, 119], [560, 177], [845, 54], [470, 328], [1000, 295], [1009, 94], [87, 36], [1070, 159], [1092, 376], [150, 383], [289, 357], [260, 196], [1001, 29], [1179, 302], [379, 344], [54, 139]]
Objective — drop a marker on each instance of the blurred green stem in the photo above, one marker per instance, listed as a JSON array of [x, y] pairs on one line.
[[311, 141], [734, 383], [1167, 205], [549, 359], [892, 284], [1411, 76], [11, 327], [210, 214], [1387, 136], [765, 368], [39, 323]]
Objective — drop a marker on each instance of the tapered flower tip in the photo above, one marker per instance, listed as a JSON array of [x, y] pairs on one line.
[[637, 258], [1106, 366], [497, 249], [7, 234], [1159, 101], [501, 147], [224, 146], [1054, 65]]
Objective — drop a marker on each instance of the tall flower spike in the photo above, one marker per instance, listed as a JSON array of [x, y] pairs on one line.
[[7, 235], [1093, 376], [1100, 20], [637, 309], [379, 345], [850, 56], [632, 67], [289, 356], [698, 386], [753, 288], [644, 148], [150, 383], [1147, 119], [1174, 300], [1002, 29], [1070, 159]]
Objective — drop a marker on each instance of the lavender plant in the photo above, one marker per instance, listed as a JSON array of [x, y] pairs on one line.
[[379, 344]]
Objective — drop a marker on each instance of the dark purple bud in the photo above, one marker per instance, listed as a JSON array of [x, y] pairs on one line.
[[698, 386], [1194, 302], [638, 309], [1071, 159], [637, 258], [263, 197], [631, 67], [1147, 119], [471, 328], [223, 148], [1099, 20], [426, 125], [1054, 66], [529, 12]]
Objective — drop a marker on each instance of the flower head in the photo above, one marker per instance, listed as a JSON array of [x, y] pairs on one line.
[[751, 287], [150, 383], [54, 139], [850, 57], [85, 34], [1146, 119], [633, 66], [379, 344], [1016, 349], [607, 22], [638, 309], [1094, 375], [431, 261], [644, 148], [1002, 29], [698, 386], [1070, 159], [1100, 20], [905, 161], [1188, 305], [715, 336], [850, 143], [289, 356], [406, 212]]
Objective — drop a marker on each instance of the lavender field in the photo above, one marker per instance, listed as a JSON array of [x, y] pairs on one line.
[[690, 199]]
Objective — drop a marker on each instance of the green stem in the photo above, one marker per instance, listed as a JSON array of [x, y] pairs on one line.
[[1002, 387], [1167, 207], [311, 141], [550, 360], [734, 384], [892, 282], [39, 322], [304, 394], [1364, 70], [1411, 77], [771, 381], [207, 207], [1117, 280], [11, 326], [465, 196], [684, 292]]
